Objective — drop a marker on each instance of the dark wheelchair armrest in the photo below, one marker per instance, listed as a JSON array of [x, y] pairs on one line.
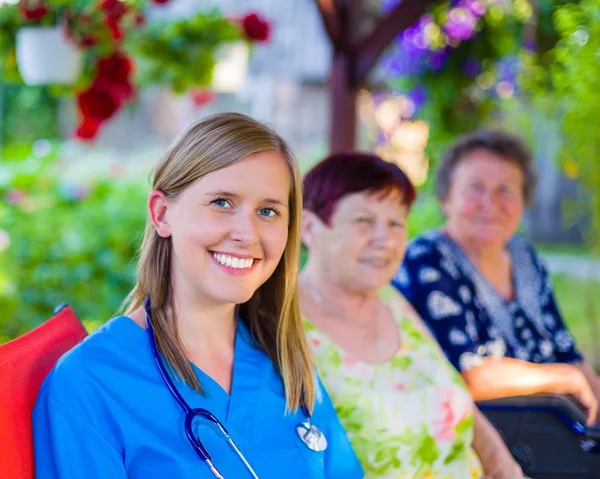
[[563, 407], [547, 435]]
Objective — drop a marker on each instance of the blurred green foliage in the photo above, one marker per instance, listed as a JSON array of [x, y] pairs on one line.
[[65, 242], [574, 77], [181, 53], [26, 115]]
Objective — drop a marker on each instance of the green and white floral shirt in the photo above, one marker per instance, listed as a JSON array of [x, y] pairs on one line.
[[411, 417]]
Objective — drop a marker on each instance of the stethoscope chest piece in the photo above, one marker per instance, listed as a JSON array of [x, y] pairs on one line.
[[312, 436]]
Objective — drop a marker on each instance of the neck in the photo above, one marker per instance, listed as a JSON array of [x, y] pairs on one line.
[[482, 255], [203, 324], [315, 279]]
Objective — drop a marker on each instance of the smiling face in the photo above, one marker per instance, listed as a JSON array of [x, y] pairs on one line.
[[365, 242], [485, 200], [229, 229]]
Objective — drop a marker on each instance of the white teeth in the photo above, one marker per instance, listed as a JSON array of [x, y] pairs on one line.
[[233, 262]]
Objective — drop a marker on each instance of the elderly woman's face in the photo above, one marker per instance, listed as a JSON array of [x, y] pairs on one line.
[[485, 201], [365, 241]]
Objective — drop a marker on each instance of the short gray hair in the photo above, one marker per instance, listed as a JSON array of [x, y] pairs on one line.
[[506, 145]]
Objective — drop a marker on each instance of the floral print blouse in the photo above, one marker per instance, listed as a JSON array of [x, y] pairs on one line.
[[470, 320], [408, 418]]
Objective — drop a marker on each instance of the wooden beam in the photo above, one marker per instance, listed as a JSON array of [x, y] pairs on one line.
[[342, 98], [368, 51], [330, 15]]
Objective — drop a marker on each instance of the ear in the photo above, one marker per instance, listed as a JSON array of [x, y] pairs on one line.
[[157, 208], [310, 223]]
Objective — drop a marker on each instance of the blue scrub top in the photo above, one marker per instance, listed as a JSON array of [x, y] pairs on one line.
[[105, 412]]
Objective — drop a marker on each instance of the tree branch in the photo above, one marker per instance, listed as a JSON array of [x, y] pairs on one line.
[[331, 20], [406, 13]]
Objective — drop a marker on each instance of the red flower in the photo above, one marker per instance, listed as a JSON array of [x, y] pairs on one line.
[[98, 104], [140, 19], [202, 97], [255, 28], [88, 129], [116, 68], [114, 8], [35, 12]]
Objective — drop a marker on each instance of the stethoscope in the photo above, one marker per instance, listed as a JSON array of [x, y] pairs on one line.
[[310, 434]]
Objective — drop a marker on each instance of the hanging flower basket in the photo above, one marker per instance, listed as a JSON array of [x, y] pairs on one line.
[[46, 56], [231, 67]]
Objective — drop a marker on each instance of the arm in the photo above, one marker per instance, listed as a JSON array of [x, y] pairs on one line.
[[495, 457], [340, 458], [65, 447], [497, 378]]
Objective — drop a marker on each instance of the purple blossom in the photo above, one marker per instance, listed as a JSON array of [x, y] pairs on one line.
[[418, 96], [472, 67], [460, 24], [438, 59], [404, 62], [476, 7]]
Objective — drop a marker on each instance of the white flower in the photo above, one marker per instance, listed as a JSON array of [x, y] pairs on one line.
[[520, 322], [550, 321], [472, 331], [428, 275], [401, 277], [563, 340], [496, 348], [526, 334], [464, 293], [450, 268], [442, 306], [416, 251], [521, 353], [457, 337], [469, 360], [546, 348]]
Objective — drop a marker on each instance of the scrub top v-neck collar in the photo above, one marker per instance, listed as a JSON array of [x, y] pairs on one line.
[[250, 367]]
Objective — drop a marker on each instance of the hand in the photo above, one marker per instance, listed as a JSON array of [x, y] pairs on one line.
[[583, 392], [508, 471]]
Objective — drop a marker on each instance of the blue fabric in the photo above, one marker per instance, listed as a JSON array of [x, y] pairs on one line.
[[104, 412], [470, 319]]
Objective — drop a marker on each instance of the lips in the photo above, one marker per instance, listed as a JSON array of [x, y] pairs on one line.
[[234, 261]]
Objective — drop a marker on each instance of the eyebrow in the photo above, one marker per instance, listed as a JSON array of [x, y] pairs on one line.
[[229, 194]]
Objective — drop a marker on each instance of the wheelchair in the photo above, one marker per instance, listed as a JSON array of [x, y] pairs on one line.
[[547, 435]]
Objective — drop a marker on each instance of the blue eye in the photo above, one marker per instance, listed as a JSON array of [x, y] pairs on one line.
[[221, 203], [268, 212]]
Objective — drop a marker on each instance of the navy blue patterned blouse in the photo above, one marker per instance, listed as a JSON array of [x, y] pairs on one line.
[[470, 319]]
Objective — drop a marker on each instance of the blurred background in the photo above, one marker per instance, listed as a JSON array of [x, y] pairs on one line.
[[92, 93]]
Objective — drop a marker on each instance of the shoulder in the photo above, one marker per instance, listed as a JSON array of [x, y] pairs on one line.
[[424, 246], [521, 248], [94, 362]]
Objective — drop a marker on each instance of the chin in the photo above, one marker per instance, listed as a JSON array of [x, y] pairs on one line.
[[234, 297]]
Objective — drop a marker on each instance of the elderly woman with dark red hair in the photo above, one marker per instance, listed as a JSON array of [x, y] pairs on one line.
[[406, 409]]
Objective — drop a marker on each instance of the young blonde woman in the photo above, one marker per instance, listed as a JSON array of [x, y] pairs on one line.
[[208, 374], [407, 411]]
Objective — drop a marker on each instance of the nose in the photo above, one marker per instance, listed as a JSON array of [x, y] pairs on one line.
[[381, 235], [244, 230]]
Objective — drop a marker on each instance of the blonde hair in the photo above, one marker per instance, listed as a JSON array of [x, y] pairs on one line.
[[272, 313]]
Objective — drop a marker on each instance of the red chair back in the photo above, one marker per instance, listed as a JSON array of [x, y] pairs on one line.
[[24, 363]]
